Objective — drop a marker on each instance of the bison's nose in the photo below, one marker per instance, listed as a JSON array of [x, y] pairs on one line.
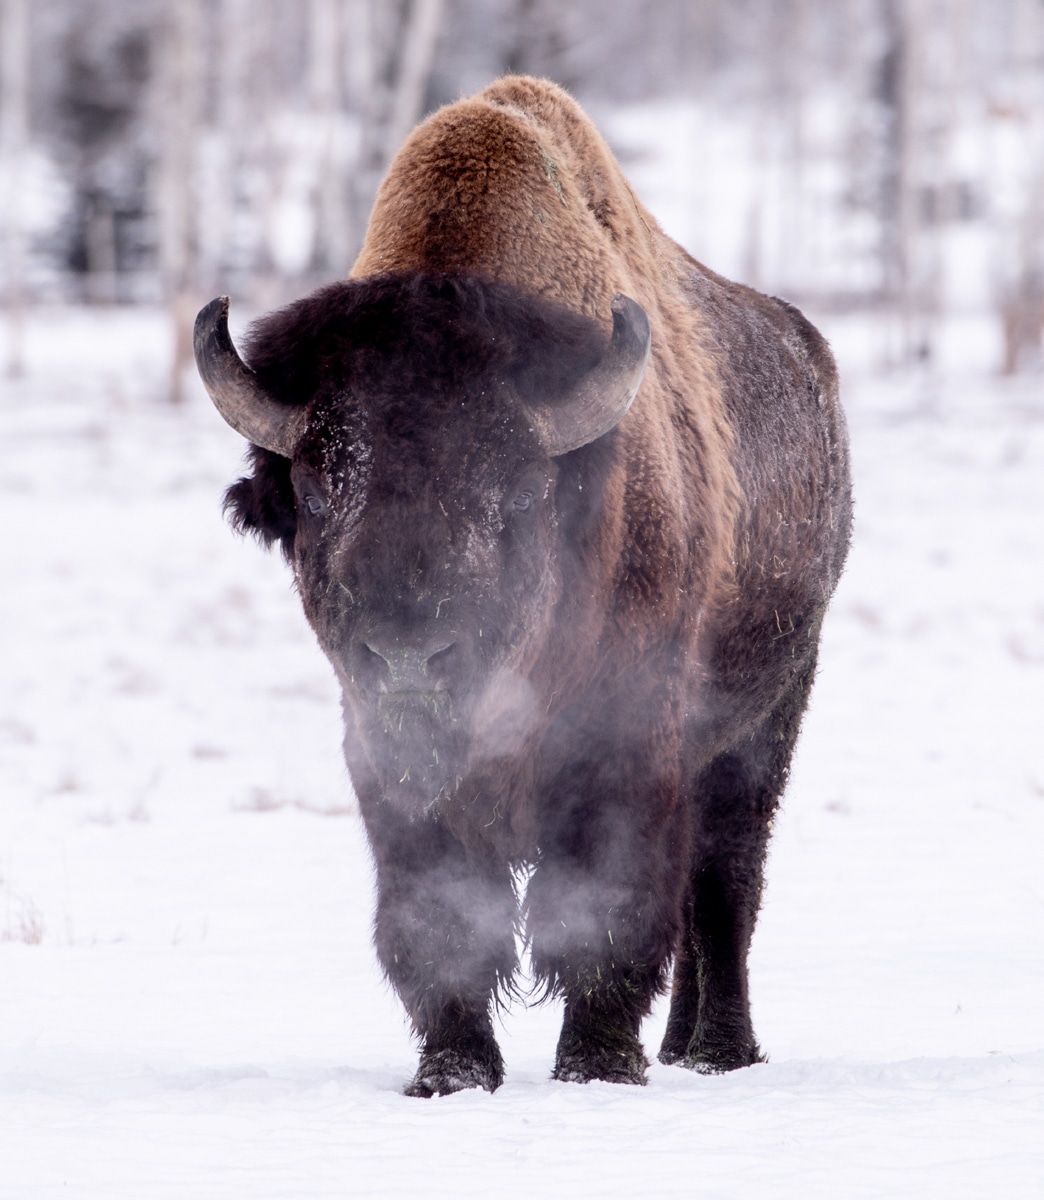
[[409, 666]]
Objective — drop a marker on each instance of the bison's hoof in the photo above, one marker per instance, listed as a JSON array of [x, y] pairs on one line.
[[719, 1059], [443, 1072], [671, 1055], [607, 1065]]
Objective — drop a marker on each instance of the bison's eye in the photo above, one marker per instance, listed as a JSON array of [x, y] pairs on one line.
[[310, 493], [530, 490]]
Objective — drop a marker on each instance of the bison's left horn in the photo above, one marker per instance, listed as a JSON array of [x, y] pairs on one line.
[[605, 394], [235, 390]]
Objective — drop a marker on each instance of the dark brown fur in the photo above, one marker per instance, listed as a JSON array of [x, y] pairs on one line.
[[623, 637]]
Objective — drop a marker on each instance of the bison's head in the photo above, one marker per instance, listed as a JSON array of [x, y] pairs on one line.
[[432, 456]]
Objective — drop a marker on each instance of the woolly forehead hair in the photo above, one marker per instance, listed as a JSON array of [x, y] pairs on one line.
[[434, 334]]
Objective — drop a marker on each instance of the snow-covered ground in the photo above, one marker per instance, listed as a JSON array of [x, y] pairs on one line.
[[189, 1004]]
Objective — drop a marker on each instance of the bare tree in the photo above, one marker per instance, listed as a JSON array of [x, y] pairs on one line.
[[181, 96], [897, 90], [326, 58], [390, 53], [419, 37], [1021, 287], [14, 137]]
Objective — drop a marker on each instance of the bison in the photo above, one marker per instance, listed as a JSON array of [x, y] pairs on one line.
[[565, 509]]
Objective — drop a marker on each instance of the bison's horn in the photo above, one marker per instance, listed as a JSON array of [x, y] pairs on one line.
[[235, 390], [606, 392]]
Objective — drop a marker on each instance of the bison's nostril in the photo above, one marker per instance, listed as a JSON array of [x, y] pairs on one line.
[[441, 657], [371, 668], [405, 666], [372, 656], [375, 652]]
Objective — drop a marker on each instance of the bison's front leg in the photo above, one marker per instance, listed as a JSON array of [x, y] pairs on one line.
[[445, 936], [602, 916]]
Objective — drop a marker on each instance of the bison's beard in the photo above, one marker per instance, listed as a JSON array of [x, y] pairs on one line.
[[417, 746]]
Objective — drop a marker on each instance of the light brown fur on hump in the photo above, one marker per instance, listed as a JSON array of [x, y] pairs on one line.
[[506, 185], [516, 185]]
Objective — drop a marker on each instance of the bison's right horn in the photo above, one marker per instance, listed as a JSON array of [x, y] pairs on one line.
[[235, 390], [605, 393]]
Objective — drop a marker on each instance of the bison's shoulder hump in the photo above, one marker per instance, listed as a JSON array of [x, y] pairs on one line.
[[517, 184]]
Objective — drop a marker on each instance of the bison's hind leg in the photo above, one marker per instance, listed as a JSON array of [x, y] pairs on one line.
[[709, 1028]]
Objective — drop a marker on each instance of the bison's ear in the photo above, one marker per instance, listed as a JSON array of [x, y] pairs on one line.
[[235, 390], [605, 393], [262, 503]]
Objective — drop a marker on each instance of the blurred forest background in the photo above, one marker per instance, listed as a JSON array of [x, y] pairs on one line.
[[877, 156]]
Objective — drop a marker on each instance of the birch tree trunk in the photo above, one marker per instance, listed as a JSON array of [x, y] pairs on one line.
[[420, 37], [332, 222], [897, 201], [1021, 298], [363, 98], [14, 136], [390, 51], [181, 98]]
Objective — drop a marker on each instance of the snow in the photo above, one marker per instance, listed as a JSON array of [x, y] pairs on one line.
[[189, 1003]]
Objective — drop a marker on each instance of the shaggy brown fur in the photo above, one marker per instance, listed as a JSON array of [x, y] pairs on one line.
[[594, 664]]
